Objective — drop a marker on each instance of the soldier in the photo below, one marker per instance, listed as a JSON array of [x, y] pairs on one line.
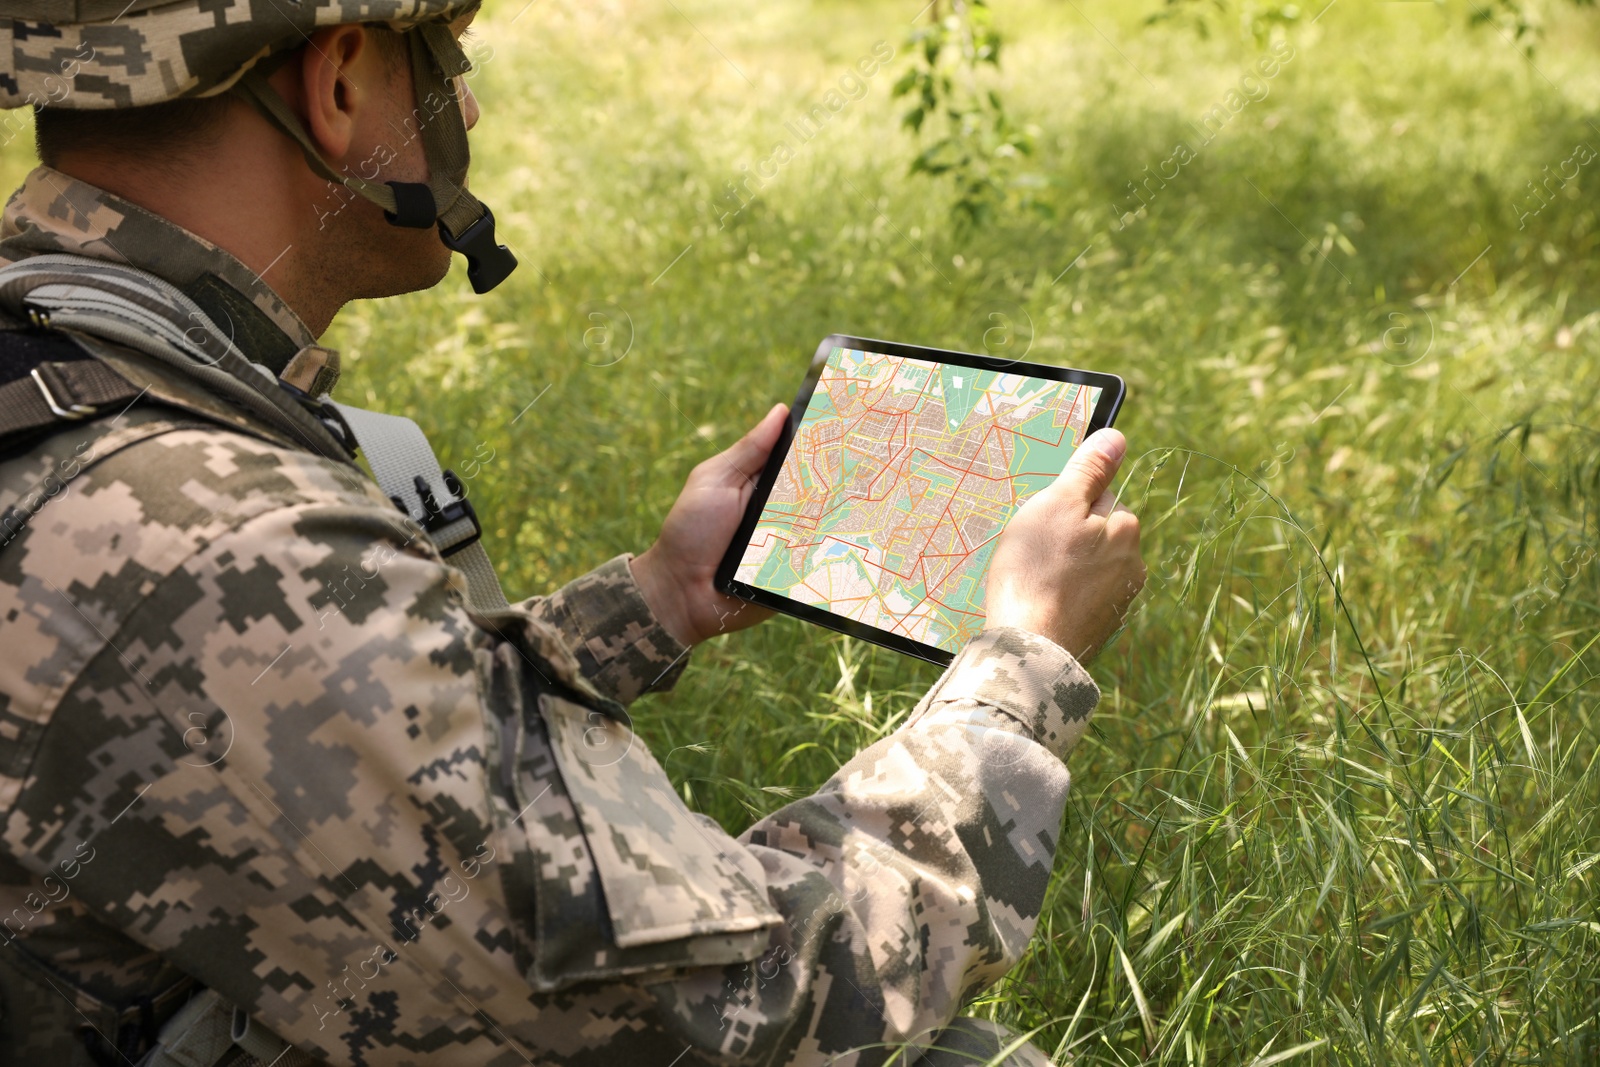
[[285, 780]]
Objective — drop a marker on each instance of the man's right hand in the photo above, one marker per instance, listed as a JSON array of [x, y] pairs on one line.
[[1067, 565]]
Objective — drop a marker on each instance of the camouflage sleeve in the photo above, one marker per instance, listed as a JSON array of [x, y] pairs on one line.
[[914, 877], [621, 648], [399, 834]]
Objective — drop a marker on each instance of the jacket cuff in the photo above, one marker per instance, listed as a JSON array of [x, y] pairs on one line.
[[1027, 677], [622, 650]]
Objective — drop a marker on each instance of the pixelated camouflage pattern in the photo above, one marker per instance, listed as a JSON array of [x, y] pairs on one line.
[[622, 651], [98, 54], [252, 737], [1023, 677], [54, 212]]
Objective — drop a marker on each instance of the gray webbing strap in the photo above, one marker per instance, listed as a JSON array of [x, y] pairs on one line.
[[208, 1028], [398, 453], [128, 306], [198, 1036], [268, 1049]]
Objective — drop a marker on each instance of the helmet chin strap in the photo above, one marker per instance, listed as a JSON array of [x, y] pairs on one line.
[[466, 225]]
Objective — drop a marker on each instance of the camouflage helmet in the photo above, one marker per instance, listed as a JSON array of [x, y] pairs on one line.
[[101, 54]]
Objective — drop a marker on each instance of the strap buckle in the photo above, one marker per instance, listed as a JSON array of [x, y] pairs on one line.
[[331, 417], [436, 519], [325, 411], [488, 262], [413, 206], [73, 411]]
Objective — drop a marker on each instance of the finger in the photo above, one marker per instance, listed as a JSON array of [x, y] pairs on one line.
[[745, 457], [1089, 472]]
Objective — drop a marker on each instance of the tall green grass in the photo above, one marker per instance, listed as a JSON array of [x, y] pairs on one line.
[[1341, 794], [1339, 804]]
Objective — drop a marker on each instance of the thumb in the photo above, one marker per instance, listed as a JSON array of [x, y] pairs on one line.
[[1093, 466], [749, 453]]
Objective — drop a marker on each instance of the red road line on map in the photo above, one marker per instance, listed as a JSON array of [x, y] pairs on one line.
[[898, 463]]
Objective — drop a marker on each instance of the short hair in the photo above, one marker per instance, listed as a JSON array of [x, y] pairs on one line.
[[158, 133], [148, 134]]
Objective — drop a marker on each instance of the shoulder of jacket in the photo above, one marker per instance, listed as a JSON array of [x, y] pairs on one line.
[[104, 513], [163, 384], [168, 459], [91, 534]]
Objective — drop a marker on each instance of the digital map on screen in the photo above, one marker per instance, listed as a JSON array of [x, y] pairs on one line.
[[900, 478]]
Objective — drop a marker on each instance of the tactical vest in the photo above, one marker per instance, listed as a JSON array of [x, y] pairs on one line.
[[70, 366]]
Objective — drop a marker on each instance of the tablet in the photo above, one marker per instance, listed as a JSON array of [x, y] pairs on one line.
[[878, 510]]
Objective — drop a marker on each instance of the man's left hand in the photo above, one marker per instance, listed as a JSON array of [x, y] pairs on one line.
[[675, 573]]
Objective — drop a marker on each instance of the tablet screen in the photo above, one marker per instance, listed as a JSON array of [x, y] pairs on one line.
[[899, 478]]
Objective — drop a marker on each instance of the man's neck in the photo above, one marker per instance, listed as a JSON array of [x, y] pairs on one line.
[[260, 223]]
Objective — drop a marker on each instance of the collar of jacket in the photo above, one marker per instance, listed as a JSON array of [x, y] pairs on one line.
[[54, 212]]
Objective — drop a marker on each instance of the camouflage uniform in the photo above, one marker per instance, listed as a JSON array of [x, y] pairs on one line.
[[254, 738]]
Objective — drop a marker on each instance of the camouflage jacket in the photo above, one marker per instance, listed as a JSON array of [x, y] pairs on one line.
[[253, 737]]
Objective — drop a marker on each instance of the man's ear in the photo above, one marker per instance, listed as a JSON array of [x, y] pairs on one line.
[[333, 78]]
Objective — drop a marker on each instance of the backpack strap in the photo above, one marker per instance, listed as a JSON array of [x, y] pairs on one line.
[[46, 379], [131, 307], [208, 1029], [136, 309], [406, 469], [61, 392]]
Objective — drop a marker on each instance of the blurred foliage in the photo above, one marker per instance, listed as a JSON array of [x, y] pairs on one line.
[[1255, 19], [1518, 20], [1342, 793], [969, 138]]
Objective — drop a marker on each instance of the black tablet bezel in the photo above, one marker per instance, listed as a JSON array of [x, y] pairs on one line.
[[1113, 390]]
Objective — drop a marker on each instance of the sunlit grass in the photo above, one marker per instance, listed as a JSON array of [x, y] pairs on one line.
[[1341, 794]]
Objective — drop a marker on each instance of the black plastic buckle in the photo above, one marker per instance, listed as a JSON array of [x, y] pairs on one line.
[[414, 206], [488, 262], [331, 417], [436, 518], [322, 409]]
